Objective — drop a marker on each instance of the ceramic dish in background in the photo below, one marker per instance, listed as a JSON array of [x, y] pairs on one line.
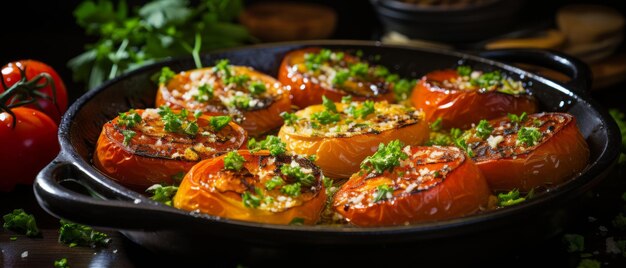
[[168, 230]]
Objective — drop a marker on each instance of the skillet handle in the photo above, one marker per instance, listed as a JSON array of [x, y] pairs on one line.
[[577, 70], [95, 209]]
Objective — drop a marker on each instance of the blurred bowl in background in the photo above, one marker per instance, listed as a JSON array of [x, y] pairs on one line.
[[288, 21], [448, 21]]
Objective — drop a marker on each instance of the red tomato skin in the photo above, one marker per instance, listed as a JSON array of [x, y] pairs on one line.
[[27, 148], [11, 74]]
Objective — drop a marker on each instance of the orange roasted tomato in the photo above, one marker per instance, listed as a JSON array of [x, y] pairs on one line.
[[253, 99], [311, 73], [463, 96], [256, 187], [140, 148], [341, 135], [525, 152], [399, 186]]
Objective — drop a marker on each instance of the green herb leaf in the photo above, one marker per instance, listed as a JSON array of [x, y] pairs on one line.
[[346, 99], [166, 75], [219, 122], [484, 129], [436, 125], [359, 69], [272, 143], [129, 119], [257, 88], [386, 158], [205, 93], [340, 77], [461, 143], [381, 71], [296, 221], [241, 101], [128, 135], [529, 136], [74, 234], [296, 172], [273, 183], [328, 104], [21, 222], [238, 80], [517, 119], [365, 109], [233, 161], [250, 200], [510, 198], [326, 117], [61, 263], [402, 89], [292, 190], [383, 192], [464, 70], [487, 79], [162, 194], [290, 118]]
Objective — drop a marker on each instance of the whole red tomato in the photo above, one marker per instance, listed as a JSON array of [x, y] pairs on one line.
[[11, 74], [26, 147]]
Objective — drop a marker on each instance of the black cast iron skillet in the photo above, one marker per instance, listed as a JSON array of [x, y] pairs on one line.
[[164, 229]]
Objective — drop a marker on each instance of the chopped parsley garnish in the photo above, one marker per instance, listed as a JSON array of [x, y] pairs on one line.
[[510, 198], [177, 123], [455, 133], [383, 192], [329, 105], [290, 118], [487, 79], [128, 135], [241, 101], [296, 221], [341, 77], [238, 80], [517, 119], [250, 200], [484, 129], [21, 222], [346, 99], [313, 61], [292, 190], [359, 69], [233, 161], [464, 70], [436, 126], [219, 122], [166, 75], [460, 142], [162, 194], [205, 93], [366, 109], [223, 66], [74, 234], [257, 88], [386, 158], [273, 183], [326, 117], [402, 89], [61, 263], [129, 119], [381, 71], [312, 157], [295, 172], [574, 242], [271, 143], [529, 136]]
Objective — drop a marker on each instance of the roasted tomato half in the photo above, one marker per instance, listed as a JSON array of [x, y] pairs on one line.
[[255, 187], [140, 148], [253, 99], [426, 184], [524, 152], [463, 96], [314, 72], [341, 135]]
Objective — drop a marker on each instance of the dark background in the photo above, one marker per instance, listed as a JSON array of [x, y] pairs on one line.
[[47, 31]]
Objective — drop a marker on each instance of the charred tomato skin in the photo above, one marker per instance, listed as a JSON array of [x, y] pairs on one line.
[[555, 160], [463, 191], [203, 189], [306, 91], [139, 170], [462, 108]]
